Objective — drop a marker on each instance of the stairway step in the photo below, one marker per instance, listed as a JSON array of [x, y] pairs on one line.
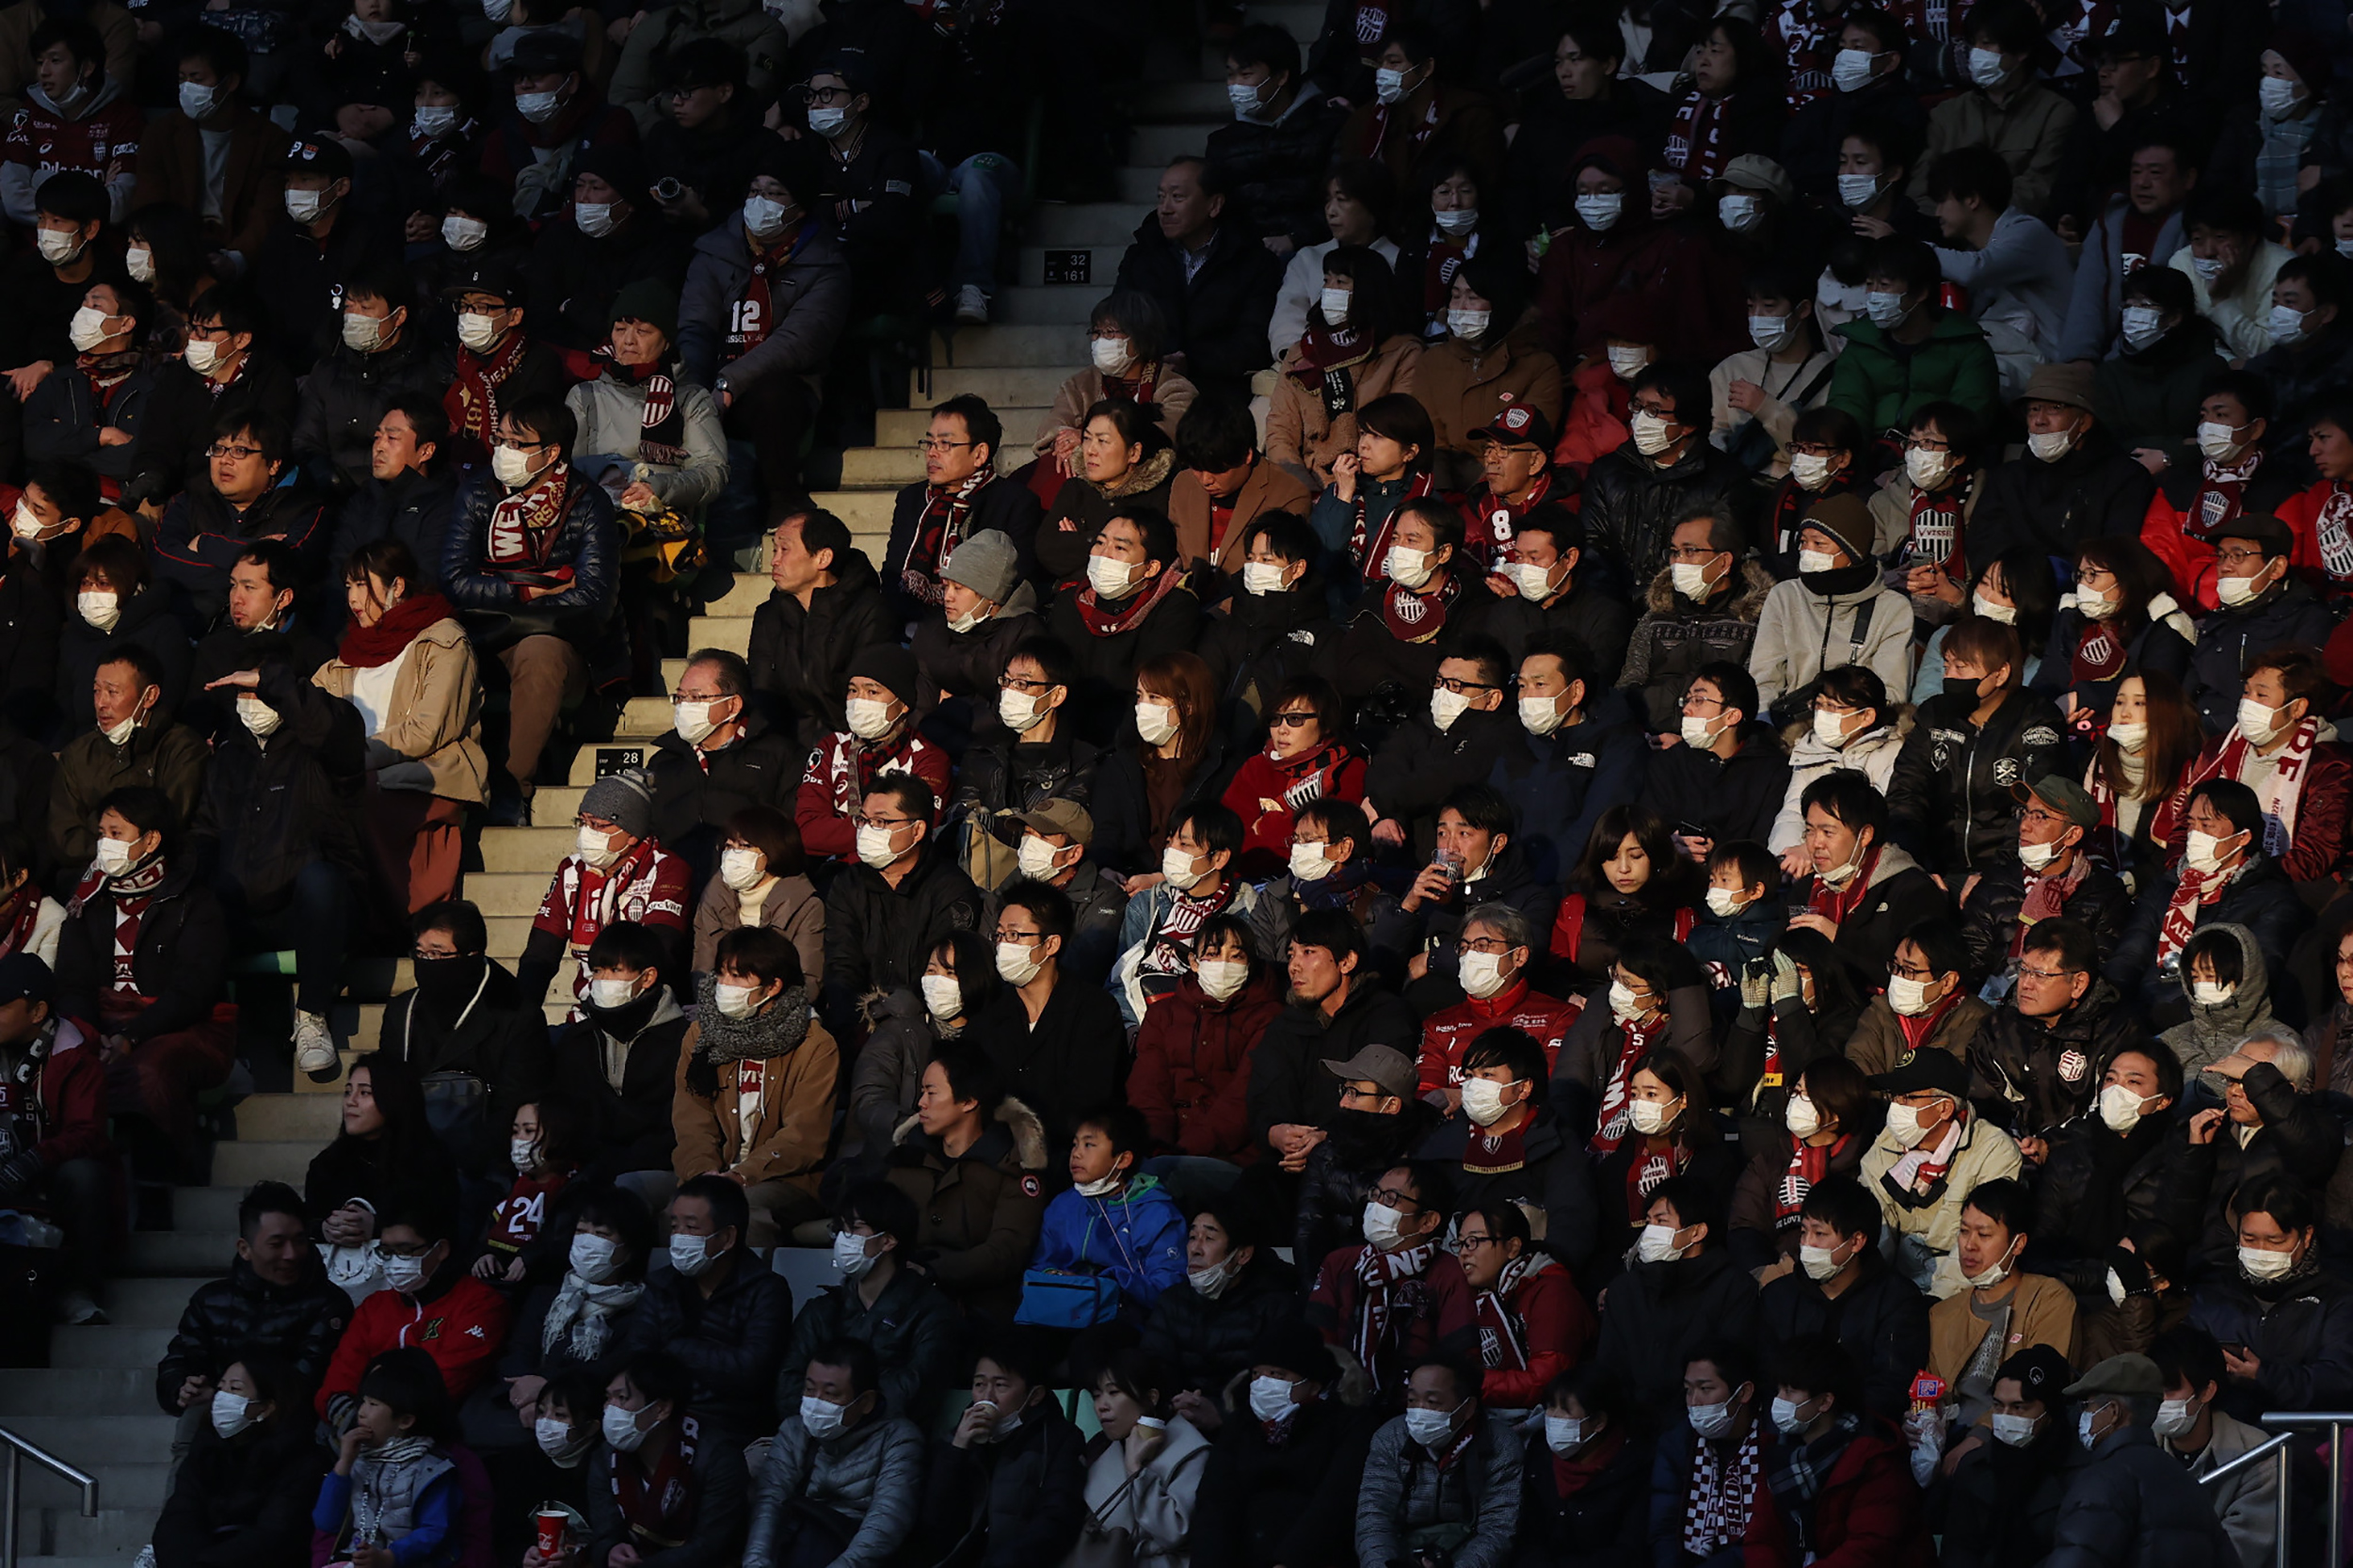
[[1043, 305], [525, 849], [1304, 21], [1011, 347], [906, 426], [115, 1530], [109, 1345], [281, 1117], [212, 1210], [514, 893], [1202, 101], [149, 1303], [1157, 146], [1102, 266], [590, 763], [880, 465], [556, 804], [242, 1163], [88, 1390], [1111, 223], [745, 594], [1026, 385]]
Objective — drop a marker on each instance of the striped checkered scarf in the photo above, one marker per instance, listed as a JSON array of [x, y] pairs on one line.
[[1716, 1503]]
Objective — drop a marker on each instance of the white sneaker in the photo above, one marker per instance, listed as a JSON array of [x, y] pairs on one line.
[[76, 1309], [314, 1049], [971, 305]]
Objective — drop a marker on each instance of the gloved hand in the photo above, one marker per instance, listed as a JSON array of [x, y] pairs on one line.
[[1756, 987], [1784, 979]]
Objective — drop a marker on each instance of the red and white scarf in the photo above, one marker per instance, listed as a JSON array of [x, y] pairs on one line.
[[20, 918], [524, 525], [2196, 888], [1103, 619], [471, 402], [1637, 1040], [947, 513], [2280, 794], [1371, 554], [1502, 1334], [1716, 1503], [2222, 494], [1696, 146], [1808, 1166], [2332, 531], [1836, 905], [1936, 529], [1378, 1277], [2046, 896], [1417, 617]]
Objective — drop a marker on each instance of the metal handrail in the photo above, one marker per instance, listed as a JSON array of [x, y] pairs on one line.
[[2336, 1421], [12, 1498], [2247, 1459]]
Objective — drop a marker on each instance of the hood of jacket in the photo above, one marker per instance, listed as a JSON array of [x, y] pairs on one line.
[[1747, 602], [1893, 862], [1808, 750], [1149, 474], [1016, 1129], [2248, 1003], [105, 93]]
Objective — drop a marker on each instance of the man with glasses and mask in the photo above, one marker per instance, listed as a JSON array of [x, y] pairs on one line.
[[430, 1301], [1048, 1036], [498, 366], [376, 361], [2263, 604], [1724, 777], [1701, 608], [1054, 838], [207, 526], [1030, 755], [2054, 875], [1199, 882], [1932, 1153], [218, 377], [1466, 726], [870, 183], [1446, 1430], [879, 713], [961, 494], [1398, 1296], [2036, 1060], [1494, 951], [719, 758], [886, 915]]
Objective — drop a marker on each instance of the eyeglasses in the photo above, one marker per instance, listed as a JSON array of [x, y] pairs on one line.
[[1392, 1197], [1902, 970], [1291, 721], [1459, 687], [513, 445], [1002, 935], [940, 444], [2025, 973], [1464, 1243], [1023, 683], [1695, 700], [224, 449], [2238, 557], [1491, 945], [813, 96]]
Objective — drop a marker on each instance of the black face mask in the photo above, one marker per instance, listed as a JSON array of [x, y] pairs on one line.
[[446, 985], [624, 1022], [1962, 692], [1361, 1136]]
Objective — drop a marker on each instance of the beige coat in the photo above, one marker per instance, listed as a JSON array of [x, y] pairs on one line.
[[436, 712], [1268, 489], [2041, 1312], [791, 909], [1300, 435], [1465, 390], [1986, 1154], [1172, 395], [787, 1136]]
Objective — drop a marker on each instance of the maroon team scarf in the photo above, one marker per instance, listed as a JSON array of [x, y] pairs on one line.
[[1105, 619], [1416, 617], [1372, 555], [947, 515], [1695, 148], [2222, 494]]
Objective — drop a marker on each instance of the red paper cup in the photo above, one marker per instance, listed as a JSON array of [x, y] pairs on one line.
[[552, 1523]]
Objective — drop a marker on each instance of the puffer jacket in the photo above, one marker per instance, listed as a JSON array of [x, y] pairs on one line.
[[981, 1211], [244, 1499], [1901, 894], [2214, 1029], [1632, 505], [2094, 492], [1018, 1503], [2131, 1504], [1867, 1511], [914, 1332], [1675, 636], [696, 792], [730, 1339], [800, 657], [201, 534], [275, 804], [413, 507], [2298, 1139], [587, 541], [612, 415], [809, 301], [1989, 920], [1406, 1489], [346, 395], [1288, 1084], [889, 1074], [1882, 1318], [1273, 173], [2229, 639], [2030, 1075], [1065, 535], [1949, 802], [2300, 1328], [227, 1317], [2260, 897], [1192, 1072], [1559, 784], [866, 1479], [1604, 1523], [1206, 1341], [1800, 632], [1873, 754], [879, 938], [1007, 774], [2096, 1184], [1658, 1312]]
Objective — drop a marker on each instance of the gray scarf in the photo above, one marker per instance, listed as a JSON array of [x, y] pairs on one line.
[[775, 1029]]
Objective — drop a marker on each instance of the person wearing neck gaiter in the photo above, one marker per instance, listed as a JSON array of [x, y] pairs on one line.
[[756, 1083], [469, 1014]]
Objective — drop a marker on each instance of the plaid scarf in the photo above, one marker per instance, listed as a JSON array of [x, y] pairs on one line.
[[946, 515], [1381, 1275], [1716, 1501], [1502, 1334], [2279, 157], [471, 402], [1371, 553], [1108, 618], [2222, 494], [1613, 1122], [1808, 1166], [2046, 898], [1418, 617], [1797, 1480]]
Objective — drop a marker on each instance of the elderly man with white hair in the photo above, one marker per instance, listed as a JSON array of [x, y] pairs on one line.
[[2268, 1125]]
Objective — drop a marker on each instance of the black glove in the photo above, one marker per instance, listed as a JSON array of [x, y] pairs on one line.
[[2132, 1269], [20, 1174]]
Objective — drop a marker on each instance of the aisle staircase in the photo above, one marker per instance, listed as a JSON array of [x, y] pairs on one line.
[[95, 1406]]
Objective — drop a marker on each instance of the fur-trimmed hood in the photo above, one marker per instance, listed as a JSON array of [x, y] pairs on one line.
[[1747, 603], [1149, 474], [1797, 739], [1022, 1135]]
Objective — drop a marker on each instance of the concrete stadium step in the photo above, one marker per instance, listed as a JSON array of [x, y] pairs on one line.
[[1304, 23], [906, 426], [1203, 101], [526, 849], [115, 1529], [510, 894], [1102, 263], [212, 1210], [590, 763], [556, 805], [86, 1390], [129, 1486], [109, 1345], [867, 511], [271, 1117], [892, 466], [1155, 146], [147, 1304], [1045, 305], [1023, 386], [1094, 222], [239, 1164], [987, 347], [732, 633]]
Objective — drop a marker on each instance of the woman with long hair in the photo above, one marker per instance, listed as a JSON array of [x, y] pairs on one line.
[[384, 1155], [959, 984], [2016, 588], [245, 1491], [1629, 882], [1168, 760], [2139, 765], [1669, 1131]]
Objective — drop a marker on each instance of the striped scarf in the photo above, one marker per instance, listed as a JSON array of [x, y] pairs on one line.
[[1717, 1501]]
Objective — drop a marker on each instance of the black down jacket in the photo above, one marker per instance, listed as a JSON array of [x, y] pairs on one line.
[[587, 541], [1274, 173], [1989, 921], [1263, 1504], [730, 1339], [914, 1330], [226, 1318], [800, 657], [2029, 1074], [243, 1501], [1632, 505], [1014, 1504], [2129, 1505], [277, 804], [1949, 802], [1207, 1342]]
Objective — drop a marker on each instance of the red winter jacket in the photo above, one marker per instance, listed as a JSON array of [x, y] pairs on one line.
[[840, 772], [2318, 846], [1192, 1076], [462, 1329], [1447, 1034], [1558, 1330], [1258, 795], [1866, 1515]]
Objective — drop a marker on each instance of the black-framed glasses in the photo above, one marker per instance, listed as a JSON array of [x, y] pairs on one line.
[[1459, 687], [1291, 721]]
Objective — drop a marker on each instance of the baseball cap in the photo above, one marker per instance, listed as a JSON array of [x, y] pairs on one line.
[[1520, 425], [1934, 1070], [1066, 817], [2062, 794], [24, 978], [1386, 1065]]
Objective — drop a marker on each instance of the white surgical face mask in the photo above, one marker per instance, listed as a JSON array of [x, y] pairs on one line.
[[404, 1273], [1698, 733], [2203, 852], [87, 328], [2262, 1263], [1623, 1005], [511, 467], [1429, 1427], [1986, 69], [874, 845], [23, 523], [1461, 221], [2176, 1417], [303, 205], [2119, 1107], [1723, 903], [594, 217], [693, 721], [363, 334], [557, 1441], [2016, 1431], [611, 993], [2207, 267], [1270, 1398], [1628, 362], [1446, 707], [1388, 85], [943, 997], [1245, 98], [1155, 723], [733, 1001], [1262, 577], [2087, 1428], [2051, 446], [2257, 722], [1018, 962], [1656, 1243], [1311, 862], [2216, 442], [2035, 857], [1992, 1273], [595, 846], [1709, 1421], [2278, 96], [202, 354], [1383, 1226], [1221, 977], [1858, 191], [462, 233], [1771, 333], [2128, 737], [1801, 1118], [829, 122], [764, 216], [1408, 568], [1564, 1435], [1650, 1116], [2287, 324], [2237, 591], [621, 1434], [1811, 469], [2093, 604], [1035, 858], [1177, 869], [1482, 1098], [2143, 326], [1927, 469], [1111, 355], [2209, 992], [741, 869], [1541, 715], [1020, 711], [1909, 998], [1690, 578], [1651, 436], [1903, 1125], [258, 716], [1739, 213], [197, 101], [1481, 973], [1788, 1417], [823, 1418], [1851, 72], [140, 261], [1830, 728], [1887, 310], [593, 1258], [1335, 303], [1819, 1263], [690, 1254], [1599, 210], [1989, 610], [476, 330], [1111, 578], [1469, 324], [1812, 561], [434, 120], [112, 856], [537, 108], [868, 718]]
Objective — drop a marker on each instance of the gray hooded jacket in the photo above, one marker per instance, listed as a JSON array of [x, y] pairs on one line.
[[870, 1477]]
